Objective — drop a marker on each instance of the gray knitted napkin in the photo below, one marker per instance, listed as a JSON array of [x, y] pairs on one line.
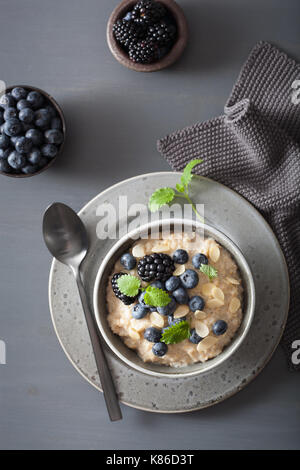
[[254, 149]]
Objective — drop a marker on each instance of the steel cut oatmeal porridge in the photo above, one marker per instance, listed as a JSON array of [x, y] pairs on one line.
[[206, 309]]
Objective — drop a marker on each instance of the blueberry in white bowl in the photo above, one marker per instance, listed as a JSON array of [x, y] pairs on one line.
[[32, 131]]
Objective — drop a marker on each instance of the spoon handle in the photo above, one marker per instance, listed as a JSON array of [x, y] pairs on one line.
[[109, 391]]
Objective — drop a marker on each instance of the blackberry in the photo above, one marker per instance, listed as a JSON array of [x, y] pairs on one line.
[[143, 52], [157, 266], [124, 298], [162, 33], [147, 12], [127, 32]]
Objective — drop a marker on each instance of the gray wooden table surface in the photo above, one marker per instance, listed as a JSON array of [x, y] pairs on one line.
[[114, 117]]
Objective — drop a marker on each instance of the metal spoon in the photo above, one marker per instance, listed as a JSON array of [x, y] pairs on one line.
[[66, 239]]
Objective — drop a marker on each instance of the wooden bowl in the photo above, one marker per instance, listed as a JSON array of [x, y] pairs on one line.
[[58, 109], [173, 55]]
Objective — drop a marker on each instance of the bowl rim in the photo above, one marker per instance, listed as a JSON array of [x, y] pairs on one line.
[[235, 343], [172, 56], [63, 120]]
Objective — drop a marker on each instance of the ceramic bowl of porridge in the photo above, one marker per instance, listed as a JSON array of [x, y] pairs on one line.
[[174, 298]]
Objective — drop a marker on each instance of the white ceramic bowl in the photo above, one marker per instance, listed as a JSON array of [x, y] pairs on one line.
[[128, 355]]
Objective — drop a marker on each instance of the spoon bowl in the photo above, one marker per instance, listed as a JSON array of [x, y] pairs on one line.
[[65, 234]]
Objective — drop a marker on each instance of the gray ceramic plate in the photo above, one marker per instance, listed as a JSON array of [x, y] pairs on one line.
[[235, 217]]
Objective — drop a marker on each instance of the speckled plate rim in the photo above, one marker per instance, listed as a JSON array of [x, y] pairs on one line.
[[251, 377]]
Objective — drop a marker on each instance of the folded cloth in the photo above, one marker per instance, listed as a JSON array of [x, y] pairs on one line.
[[254, 149]]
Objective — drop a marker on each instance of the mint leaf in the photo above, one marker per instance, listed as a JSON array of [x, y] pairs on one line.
[[160, 197], [129, 285], [187, 172], [180, 187], [156, 297], [209, 271], [176, 333]]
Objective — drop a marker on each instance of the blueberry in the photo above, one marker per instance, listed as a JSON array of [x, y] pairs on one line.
[[12, 127], [128, 261], [16, 160], [26, 115], [173, 321], [181, 295], [49, 150], [23, 145], [189, 278], [4, 153], [43, 162], [18, 93], [4, 141], [128, 16], [29, 169], [172, 283], [180, 256], [42, 118], [141, 299], [219, 327], [10, 113], [139, 311], [152, 309], [199, 259], [195, 338], [35, 99], [25, 127], [22, 104], [4, 166], [152, 334], [168, 309], [34, 156], [35, 136], [7, 101], [158, 285], [14, 139], [56, 123], [1, 117], [159, 349], [51, 110], [196, 303]]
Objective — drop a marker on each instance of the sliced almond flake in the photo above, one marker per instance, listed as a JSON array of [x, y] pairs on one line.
[[179, 270], [214, 252], [234, 305], [207, 288], [189, 235], [138, 325], [218, 293], [231, 280], [173, 244], [200, 315], [214, 303], [181, 311], [134, 334], [160, 247], [157, 319], [138, 251], [206, 343], [201, 329]]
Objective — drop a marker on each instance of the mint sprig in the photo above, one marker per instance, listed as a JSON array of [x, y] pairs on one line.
[[164, 196], [129, 285], [209, 271], [156, 297], [176, 333]]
